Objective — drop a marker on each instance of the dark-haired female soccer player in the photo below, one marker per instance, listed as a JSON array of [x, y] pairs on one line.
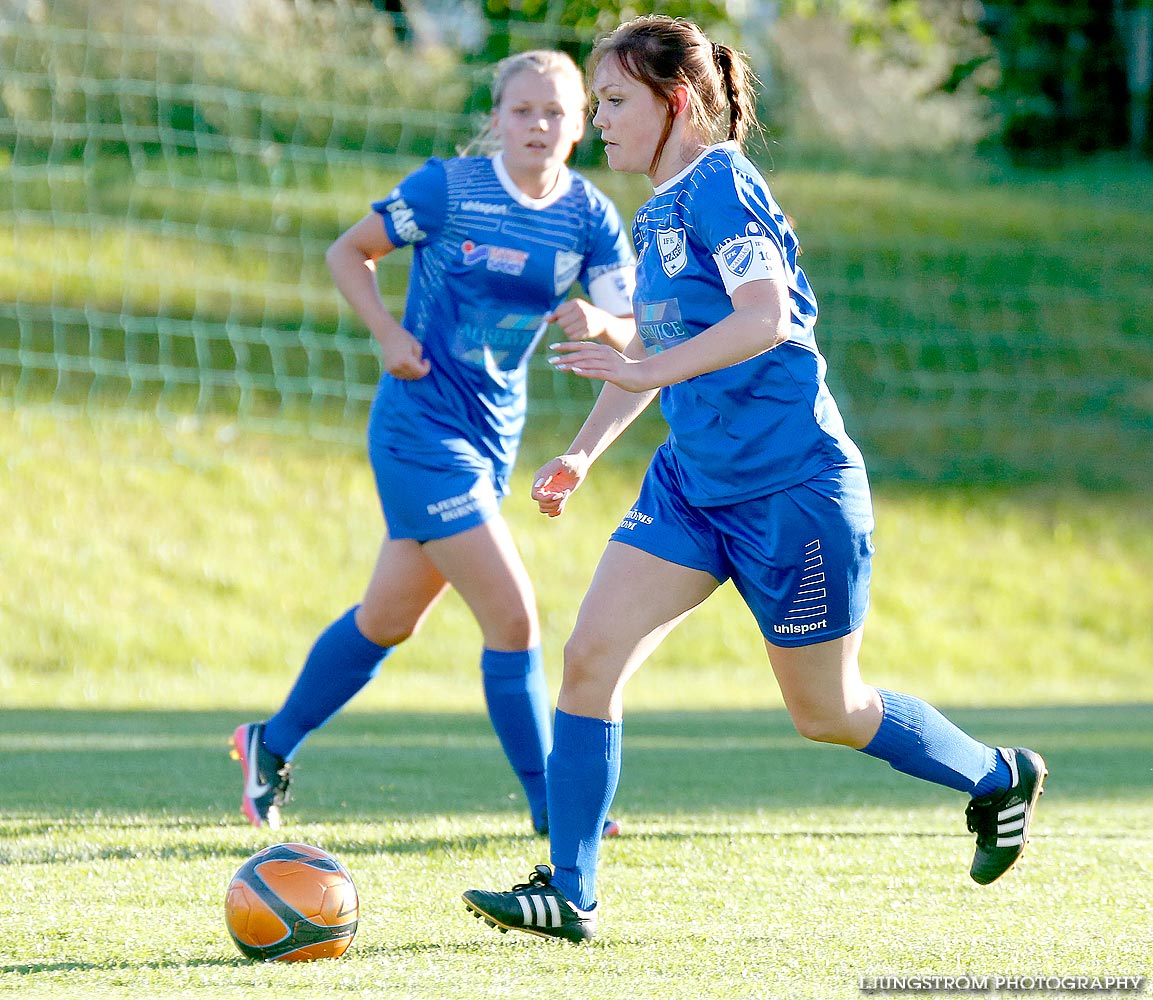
[[498, 242], [758, 481]]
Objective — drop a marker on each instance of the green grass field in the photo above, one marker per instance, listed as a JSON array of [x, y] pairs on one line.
[[162, 582], [162, 575]]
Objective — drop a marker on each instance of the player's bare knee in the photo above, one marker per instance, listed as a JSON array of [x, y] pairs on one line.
[[385, 631], [522, 624], [586, 674], [822, 727], [579, 657], [513, 628], [576, 677]]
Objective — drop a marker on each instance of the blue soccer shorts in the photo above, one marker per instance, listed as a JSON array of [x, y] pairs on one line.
[[801, 558], [446, 488]]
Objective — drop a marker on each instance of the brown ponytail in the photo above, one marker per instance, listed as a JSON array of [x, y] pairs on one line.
[[665, 52]]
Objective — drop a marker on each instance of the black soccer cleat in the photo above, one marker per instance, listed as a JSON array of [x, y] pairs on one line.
[[535, 907], [266, 776], [1001, 821]]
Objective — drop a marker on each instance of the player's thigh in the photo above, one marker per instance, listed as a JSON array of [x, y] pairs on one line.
[[404, 586], [634, 600], [822, 689], [662, 560], [485, 566]]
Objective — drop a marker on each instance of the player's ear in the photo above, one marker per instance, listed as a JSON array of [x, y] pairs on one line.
[[679, 99], [578, 125]]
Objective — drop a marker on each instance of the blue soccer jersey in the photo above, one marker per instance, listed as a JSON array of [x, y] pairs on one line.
[[489, 264], [767, 423]]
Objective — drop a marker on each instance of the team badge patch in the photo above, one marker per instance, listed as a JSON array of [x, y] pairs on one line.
[[566, 269], [748, 258], [737, 256], [671, 246]]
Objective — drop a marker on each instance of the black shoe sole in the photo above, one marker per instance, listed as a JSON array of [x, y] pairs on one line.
[[505, 928]]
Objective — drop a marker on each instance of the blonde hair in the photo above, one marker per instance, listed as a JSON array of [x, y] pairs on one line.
[[666, 52], [544, 62]]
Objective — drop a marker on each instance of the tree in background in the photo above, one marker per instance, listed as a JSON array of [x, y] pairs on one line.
[[1062, 77], [577, 23], [1068, 77], [1072, 78]]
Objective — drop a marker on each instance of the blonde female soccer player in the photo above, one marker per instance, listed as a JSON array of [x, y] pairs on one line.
[[498, 240], [758, 481]]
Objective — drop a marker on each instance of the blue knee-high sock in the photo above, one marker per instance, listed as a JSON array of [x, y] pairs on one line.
[[516, 691], [341, 662], [917, 739], [584, 769]]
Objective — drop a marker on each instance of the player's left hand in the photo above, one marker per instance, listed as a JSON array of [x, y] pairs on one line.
[[599, 361]]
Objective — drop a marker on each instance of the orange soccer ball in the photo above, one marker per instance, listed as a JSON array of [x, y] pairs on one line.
[[291, 903]]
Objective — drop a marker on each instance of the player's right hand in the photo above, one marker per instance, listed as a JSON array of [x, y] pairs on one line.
[[555, 482], [403, 357], [580, 320]]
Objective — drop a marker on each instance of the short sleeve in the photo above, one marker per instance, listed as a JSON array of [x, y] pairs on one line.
[[415, 210], [740, 229], [609, 272]]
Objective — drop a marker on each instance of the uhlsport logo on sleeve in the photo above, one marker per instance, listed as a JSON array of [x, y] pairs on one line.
[[671, 247]]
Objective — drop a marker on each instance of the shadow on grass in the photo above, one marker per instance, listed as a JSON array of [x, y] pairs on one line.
[[173, 769], [34, 968], [359, 950]]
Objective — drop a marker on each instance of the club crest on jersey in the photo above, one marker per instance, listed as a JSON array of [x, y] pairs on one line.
[[671, 247], [566, 269], [738, 256]]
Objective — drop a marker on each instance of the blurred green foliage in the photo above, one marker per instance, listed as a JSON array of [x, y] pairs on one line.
[[174, 173], [85, 80]]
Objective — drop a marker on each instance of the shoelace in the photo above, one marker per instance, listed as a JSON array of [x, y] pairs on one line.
[[981, 819], [280, 790], [541, 878]]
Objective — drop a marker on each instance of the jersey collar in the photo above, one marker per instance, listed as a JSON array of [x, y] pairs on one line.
[[563, 185], [729, 145]]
